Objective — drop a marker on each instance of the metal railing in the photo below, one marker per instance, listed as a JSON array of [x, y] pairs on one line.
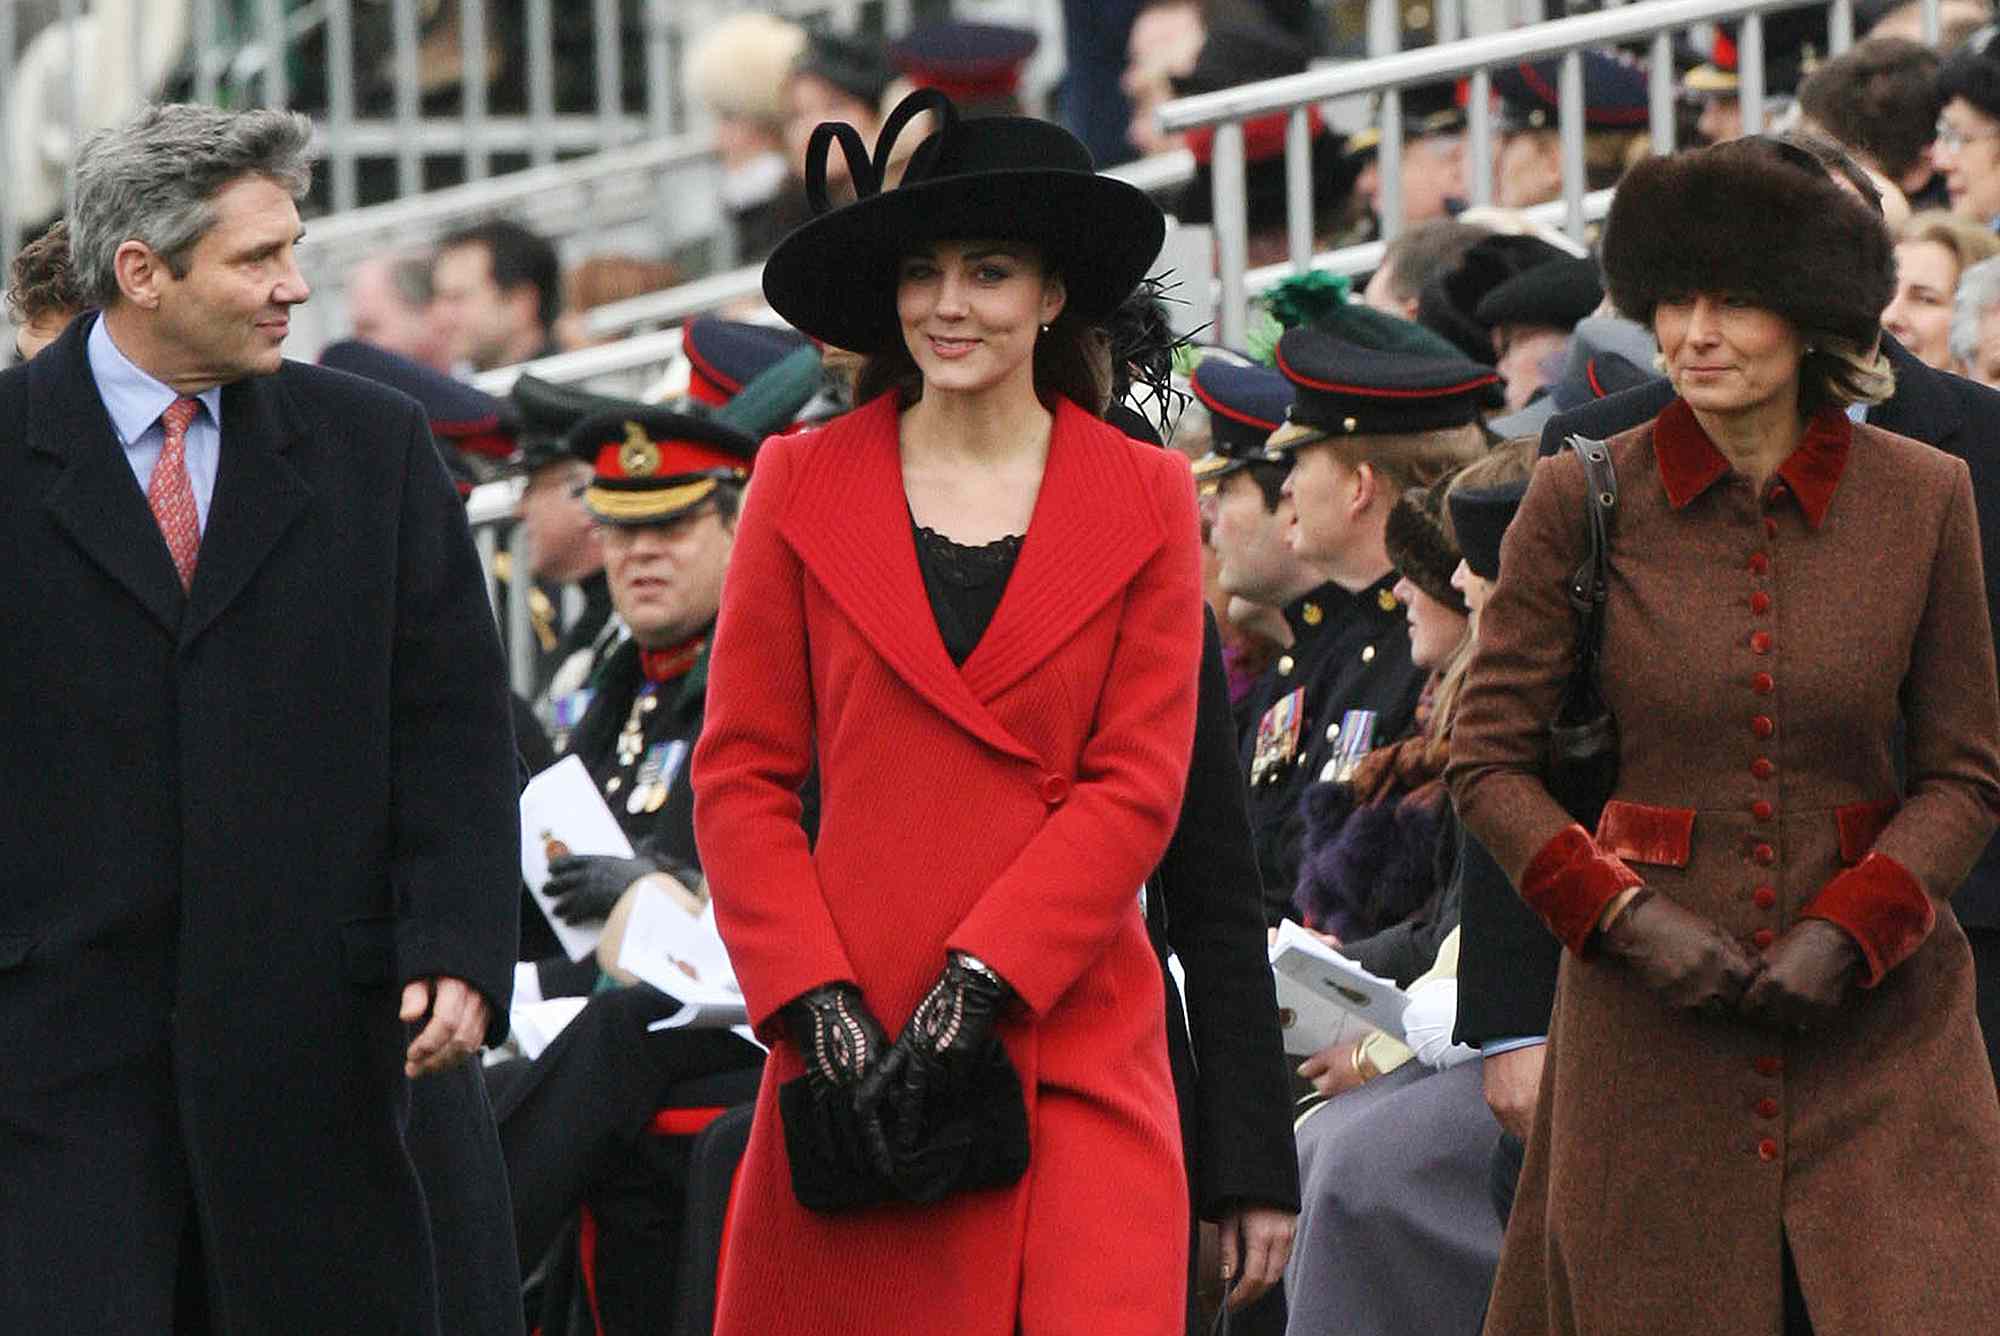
[[251, 52], [1473, 59]]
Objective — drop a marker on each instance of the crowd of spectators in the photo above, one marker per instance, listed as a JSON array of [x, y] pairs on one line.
[[1358, 466]]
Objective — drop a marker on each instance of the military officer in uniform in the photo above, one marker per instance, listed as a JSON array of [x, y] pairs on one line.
[[1365, 423]]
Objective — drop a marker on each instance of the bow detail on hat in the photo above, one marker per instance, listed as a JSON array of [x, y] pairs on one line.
[[869, 171]]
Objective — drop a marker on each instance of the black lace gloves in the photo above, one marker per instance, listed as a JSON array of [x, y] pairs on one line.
[[836, 1034], [943, 1052], [939, 1111]]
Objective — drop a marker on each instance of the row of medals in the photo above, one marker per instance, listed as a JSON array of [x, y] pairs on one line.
[[649, 786]]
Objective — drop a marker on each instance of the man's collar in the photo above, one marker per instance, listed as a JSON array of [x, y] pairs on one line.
[[1307, 613], [132, 396], [1690, 464]]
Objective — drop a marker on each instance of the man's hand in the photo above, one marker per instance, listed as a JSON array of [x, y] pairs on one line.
[[1513, 1082], [1334, 1069], [1807, 975], [1260, 1239], [457, 1025]]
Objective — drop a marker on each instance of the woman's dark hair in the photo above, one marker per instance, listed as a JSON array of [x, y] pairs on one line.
[[1071, 361]]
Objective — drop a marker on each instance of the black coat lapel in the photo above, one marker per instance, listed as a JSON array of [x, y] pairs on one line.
[[1921, 408], [96, 499], [258, 496]]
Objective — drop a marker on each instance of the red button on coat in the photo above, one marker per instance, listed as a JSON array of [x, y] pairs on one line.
[[1765, 897], [1760, 642], [1759, 563], [1763, 725], [1767, 1108], [1770, 528], [1764, 854], [1760, 603], [1762, 810], [1770, 1066], [1763, 684], [1767, 1150], [1762, 768], [1054, 789], [1762, 938]]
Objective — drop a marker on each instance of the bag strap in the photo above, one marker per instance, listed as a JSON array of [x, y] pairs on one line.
[[1589, 584]]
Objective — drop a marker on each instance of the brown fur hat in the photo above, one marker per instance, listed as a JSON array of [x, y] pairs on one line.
[[1748, 219], [1418, 546]]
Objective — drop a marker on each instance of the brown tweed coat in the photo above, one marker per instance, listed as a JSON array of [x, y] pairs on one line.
[[1759, 651]]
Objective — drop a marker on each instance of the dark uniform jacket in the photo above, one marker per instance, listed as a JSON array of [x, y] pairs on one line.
[[237, 821], [1507, 971], [1229, 1058], [1350, 651]]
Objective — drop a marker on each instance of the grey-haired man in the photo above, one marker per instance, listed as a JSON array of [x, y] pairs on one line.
[[259, 783]]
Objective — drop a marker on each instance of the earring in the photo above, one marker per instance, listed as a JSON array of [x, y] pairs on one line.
[[1045, 329]]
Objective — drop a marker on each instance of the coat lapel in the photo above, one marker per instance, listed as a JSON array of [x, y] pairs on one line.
[[1920, 408], [96, 499], [850, 525], [258, 496], [1093, 528]]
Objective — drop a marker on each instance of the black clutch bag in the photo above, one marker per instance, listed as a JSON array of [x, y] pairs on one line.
[[976, 1136], [1583, 736]]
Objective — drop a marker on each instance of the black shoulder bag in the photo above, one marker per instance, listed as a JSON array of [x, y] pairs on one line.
[[1583, 736]]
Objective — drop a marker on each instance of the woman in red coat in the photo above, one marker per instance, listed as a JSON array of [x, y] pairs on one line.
[[975, 609], [1766, 1104]]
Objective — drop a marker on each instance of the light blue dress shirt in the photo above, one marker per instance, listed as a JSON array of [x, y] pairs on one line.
[[135, 401]]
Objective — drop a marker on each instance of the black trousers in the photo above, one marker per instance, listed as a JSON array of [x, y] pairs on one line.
[[573, 1130]]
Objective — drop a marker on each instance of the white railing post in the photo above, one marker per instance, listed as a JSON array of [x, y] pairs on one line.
[[1570, 122], [1750, 72], [1299, 188], [1232, 240]]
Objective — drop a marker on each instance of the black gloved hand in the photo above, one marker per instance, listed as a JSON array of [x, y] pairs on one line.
[[836, 1034], [1683, 957], [947, 1036], [1807, 975], [586, 886]]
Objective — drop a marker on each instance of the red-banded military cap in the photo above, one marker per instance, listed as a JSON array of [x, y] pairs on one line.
[[652, 465], [1245, 405], [967, 62], [725, 355], [1342, 390]]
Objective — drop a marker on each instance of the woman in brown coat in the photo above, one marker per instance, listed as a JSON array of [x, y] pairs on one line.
[[1766, 1105]]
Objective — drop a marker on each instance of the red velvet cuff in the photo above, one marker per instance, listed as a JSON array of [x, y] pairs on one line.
[[1882, 907], [1571, 881]]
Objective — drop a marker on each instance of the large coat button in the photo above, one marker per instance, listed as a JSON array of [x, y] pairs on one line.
[[1764, 897], [1763, 684], [1760, 642], [1763, 768], [1054, 789], [1767, 1108], [1767, 1150], [1763, 725], [1759, 563], [1760, 603], [1770, 1065], [1763, 810], [1762, 938], [1764, 854]]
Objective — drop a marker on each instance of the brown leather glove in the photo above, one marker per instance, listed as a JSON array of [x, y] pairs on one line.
[[1807, 974], [1683, 957]]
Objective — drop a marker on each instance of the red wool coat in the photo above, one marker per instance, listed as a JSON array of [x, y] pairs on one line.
[[1759, 652], [1009, 808]]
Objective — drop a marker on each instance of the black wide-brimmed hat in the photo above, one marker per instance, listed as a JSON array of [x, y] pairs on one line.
[[1749, 219], [999, 178]]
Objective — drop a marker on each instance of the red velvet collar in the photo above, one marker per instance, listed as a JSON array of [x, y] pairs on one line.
[[1690, 464]]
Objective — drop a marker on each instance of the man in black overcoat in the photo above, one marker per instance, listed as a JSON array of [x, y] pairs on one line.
[[260, 811]]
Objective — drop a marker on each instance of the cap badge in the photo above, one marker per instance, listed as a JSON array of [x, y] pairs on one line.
[[638, 457]]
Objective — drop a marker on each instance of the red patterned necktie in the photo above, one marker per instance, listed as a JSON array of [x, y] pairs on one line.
[[171, 495]]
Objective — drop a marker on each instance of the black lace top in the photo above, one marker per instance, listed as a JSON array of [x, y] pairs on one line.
[[964, 585]]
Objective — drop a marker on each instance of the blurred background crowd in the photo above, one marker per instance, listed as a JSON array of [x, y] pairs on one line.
[[543, 219]]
